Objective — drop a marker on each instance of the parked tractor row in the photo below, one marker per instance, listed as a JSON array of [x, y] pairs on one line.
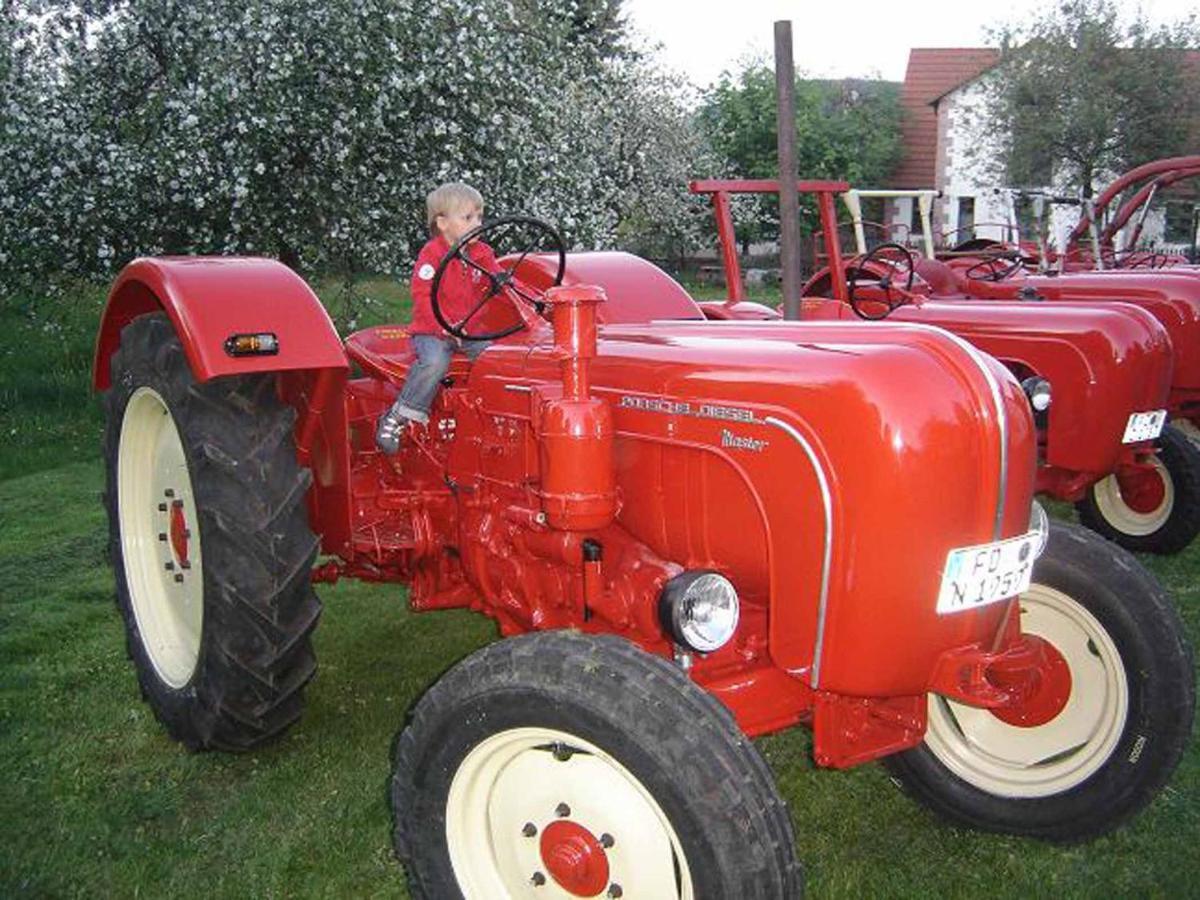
[[692, 523]]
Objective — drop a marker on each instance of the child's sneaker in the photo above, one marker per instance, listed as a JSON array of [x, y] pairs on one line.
[[387, 432], [391, 426]]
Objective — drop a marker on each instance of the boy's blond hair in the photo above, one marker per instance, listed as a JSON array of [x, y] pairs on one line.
[[444, 200]]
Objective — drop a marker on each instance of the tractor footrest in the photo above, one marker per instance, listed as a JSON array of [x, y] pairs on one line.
[[382, 543]]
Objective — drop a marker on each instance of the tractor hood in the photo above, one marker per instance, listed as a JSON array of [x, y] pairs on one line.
[[1173, 300], [827, 469], [1104, 361]]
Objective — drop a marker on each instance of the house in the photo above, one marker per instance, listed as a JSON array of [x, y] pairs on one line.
[[943, 101]]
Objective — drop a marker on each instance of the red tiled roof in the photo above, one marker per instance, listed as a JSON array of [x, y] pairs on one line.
[[931, 73]]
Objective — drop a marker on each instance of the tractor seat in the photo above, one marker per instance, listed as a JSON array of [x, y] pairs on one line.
[[386, 352]]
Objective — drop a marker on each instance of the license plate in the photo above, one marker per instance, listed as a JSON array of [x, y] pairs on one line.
[[1144, 426], [987, 573]]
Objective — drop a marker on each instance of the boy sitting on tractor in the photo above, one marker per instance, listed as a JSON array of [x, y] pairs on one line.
[[452, 211]]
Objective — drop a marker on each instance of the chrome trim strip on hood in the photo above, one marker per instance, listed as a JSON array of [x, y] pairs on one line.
[[827, 502], [971, 351]]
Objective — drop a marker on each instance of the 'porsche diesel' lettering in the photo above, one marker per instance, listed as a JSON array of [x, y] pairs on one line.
[[683, 408]]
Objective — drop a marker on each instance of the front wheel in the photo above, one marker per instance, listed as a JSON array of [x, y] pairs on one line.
[[1106, 727], [567, 765], [1153, 509]]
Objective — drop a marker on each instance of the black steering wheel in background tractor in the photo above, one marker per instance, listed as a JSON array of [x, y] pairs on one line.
[[999, 265], [893, 259], [518, 237]]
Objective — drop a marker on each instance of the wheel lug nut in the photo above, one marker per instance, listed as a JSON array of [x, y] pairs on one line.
[[170, 567], [186, 564], [562, 810], [606, 840], [614, 890], [178, 578], [162, 536], [169, 492], [162, 507], [538, 879], [529, 830], [177, 503]]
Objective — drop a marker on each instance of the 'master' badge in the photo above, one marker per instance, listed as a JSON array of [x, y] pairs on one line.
[[425, 272]]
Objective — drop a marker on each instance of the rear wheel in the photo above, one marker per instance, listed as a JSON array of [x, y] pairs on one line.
[[567, 765], [1154, 509], [1104, 731], [209, 542]]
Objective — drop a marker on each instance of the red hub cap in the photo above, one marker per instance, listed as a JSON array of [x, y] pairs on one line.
[[575, 858], [179, 532], [1048, 692], [1142, 488]]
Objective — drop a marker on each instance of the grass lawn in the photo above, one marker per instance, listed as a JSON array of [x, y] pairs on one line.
[[95, 801]]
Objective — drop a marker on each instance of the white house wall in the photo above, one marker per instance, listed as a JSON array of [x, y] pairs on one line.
[[967, 165]]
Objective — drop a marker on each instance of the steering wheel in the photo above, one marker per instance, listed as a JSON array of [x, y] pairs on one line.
[[885, 282], [531, 235], [991, 268]]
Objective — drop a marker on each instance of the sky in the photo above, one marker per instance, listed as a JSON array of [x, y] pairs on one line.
[[704, 37]]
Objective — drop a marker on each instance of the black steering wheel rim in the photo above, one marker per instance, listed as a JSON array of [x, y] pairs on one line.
[[990, 272], [500, 283], [885, 282]]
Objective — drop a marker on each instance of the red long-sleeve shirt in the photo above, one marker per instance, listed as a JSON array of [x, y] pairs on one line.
[[459, 289]]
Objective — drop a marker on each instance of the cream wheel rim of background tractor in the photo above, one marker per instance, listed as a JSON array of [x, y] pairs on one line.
[[157, 515], [1042, 760], [1124, 518], [518, 783]]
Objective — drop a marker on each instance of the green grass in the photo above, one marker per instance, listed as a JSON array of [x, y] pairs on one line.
[[96, 801]]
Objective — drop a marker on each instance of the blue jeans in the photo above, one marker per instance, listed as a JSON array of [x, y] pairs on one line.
[[426, 374]]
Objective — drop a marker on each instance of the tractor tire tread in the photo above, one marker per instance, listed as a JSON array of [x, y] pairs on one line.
[[260, 610], [1181, 457], [629, 689], [1160, 670]]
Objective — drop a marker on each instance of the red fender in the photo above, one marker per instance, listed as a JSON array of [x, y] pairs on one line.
[[210, 298]]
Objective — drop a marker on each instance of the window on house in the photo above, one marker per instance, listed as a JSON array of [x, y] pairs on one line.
[[966, 219], [1179, 223]]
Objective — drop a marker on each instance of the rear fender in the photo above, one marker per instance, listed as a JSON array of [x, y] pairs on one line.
[[208, 299]]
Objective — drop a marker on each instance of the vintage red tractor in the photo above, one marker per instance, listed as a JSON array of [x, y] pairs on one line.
[[689, 533], [1107, 366], [990, 269]]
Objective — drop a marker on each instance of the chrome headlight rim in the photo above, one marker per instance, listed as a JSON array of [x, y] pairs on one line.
[[683, 597]]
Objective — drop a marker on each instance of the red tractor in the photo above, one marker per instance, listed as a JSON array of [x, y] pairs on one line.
[[987, 269], [689, 533], [1107, 367]]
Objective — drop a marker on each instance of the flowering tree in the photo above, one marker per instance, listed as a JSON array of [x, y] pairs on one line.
[[312, 129]]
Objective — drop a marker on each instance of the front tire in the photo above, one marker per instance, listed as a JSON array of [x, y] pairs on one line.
[[560, 764], [209, 542], [1077, 765], [1150, 511]]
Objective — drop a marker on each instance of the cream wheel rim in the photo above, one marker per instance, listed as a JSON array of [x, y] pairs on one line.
[[1043, 760], [1124, 518], [515, 784], [157, 515]]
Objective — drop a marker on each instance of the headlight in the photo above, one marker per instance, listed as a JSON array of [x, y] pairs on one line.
[[700, 610], [1038, 391], [1039, 522]]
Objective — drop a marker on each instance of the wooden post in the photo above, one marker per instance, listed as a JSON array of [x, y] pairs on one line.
[[789, 197]]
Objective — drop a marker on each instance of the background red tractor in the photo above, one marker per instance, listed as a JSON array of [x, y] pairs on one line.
[[690, 532], [1099, 375]]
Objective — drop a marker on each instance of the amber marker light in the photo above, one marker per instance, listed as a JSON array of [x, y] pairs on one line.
[[262, 344]]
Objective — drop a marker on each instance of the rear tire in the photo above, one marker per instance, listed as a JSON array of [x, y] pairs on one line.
[[1172, 523], [209, 543], [1105, 754], [652, 785]]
